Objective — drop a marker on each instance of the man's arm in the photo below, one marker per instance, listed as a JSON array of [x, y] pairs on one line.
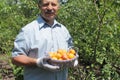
[[23, 60]]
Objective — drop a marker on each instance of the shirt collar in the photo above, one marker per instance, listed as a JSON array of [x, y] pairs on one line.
[[56, 24], [43, 24]]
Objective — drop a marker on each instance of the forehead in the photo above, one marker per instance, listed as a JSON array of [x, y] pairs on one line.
[[54, 1]]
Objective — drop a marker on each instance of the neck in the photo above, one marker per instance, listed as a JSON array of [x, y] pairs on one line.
[[50, 22]]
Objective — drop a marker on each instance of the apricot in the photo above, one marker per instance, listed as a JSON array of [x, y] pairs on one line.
[[51, 54], [65, 57], [60, 59], [55, 58], [59, 51], [62, 54], [58, 55], [72, 51], [70, 56]]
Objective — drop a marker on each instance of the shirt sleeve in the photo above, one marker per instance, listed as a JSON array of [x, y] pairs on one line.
[[68, 37], [20, 45], [69, 40]]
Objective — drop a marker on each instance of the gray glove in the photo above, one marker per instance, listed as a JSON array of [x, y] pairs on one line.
[[76, 61], [43, 62]]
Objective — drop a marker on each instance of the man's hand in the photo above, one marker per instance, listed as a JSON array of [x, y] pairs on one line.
[[76, 61], [43, 62]]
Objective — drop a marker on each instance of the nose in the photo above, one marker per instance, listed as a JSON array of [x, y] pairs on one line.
[[49, 6]]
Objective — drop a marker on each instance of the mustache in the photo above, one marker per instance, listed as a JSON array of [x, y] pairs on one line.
[[49, 11]]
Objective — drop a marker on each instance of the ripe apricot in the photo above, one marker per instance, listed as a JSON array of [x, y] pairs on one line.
[[70, 56], [62, 54], [59, 51], [58, 55], [51, 54], [55, 58], [72, 51], [65, 57], [60, 59]]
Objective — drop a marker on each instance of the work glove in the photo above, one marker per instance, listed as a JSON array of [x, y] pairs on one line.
[[43, 62], [76, 61]]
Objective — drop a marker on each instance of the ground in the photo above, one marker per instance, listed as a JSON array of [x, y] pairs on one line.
[[6, 72]]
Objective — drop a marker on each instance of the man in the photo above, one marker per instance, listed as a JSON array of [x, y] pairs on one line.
[[37, 38]]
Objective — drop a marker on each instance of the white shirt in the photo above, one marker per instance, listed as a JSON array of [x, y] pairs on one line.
[[35, 40]]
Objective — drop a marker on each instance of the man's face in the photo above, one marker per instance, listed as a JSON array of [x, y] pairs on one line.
[[49, 9]]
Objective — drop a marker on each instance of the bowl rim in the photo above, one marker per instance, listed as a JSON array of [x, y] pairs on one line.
[[69, 60]]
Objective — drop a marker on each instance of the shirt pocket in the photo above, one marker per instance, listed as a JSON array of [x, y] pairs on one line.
[[33, 53]]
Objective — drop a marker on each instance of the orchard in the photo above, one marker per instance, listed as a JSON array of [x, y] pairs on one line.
[[93, 24]]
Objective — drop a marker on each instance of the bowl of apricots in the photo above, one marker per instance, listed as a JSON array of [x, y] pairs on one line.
[[63, 58]]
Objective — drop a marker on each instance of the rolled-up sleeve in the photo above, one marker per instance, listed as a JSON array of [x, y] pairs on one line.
[[20, 45]]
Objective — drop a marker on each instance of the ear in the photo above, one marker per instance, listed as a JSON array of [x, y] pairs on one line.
[[58, 6], [38, 6]]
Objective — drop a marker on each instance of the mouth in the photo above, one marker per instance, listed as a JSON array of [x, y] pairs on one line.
[[49, 11]]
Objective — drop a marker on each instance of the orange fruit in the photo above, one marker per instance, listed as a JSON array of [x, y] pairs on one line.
[[64, 51], [58, 55], [65, 57], [62, 54], [55, 58], [51, 54], [72, 51], [59, 51], [60, 59], [70, 56]]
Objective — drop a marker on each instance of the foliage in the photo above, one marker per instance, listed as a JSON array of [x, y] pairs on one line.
[[95, 27], [93, 24]]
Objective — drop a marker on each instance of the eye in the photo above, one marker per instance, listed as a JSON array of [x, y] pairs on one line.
[[45, 4], [53, 4]]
